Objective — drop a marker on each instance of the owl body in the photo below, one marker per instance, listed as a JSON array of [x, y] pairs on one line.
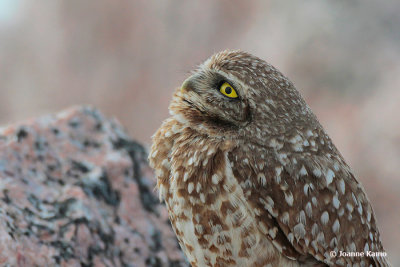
[[213, 223], [250, 178]]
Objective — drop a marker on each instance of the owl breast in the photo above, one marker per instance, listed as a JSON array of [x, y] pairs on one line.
[[207, 208]]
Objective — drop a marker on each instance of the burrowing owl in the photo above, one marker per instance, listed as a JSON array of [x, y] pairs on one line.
[[250, 177]]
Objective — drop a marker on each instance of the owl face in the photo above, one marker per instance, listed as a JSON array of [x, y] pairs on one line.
[[210, 96], [236, 92]]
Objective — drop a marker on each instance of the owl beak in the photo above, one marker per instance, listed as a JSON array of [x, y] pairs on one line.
[[187, 85]]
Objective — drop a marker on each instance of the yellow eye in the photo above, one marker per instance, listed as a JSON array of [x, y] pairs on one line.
[[227, 90]]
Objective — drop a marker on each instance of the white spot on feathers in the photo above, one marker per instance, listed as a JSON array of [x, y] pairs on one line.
[[341, 212], [275, 144], [270, 201], [336, 166], [202, 198], [302, 217], [342, 186], [360, 209], [154, 154], [199, 228], [299, 231], [198, 187], [282, 156], [314, 201], [309, 209], [298, 147], [175, 128], [185, 176], [329, 177], [303, 171], [263, 228], [336, 226], [285, 218], [290, 237], [336, 202], [261, 179], [296, 139], [306, 188], [272, 232], [162, 192], [317, 172], [278, 171], [190, 188], [289, 198], [349, 207], [354, 198], [165, 163], [215, 179], [210, 151], [325, 217]]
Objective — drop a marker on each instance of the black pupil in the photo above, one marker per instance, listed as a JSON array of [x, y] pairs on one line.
[[228, 90]]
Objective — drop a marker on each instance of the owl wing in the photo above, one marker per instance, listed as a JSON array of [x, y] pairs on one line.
[[160, 155], [310, 206]]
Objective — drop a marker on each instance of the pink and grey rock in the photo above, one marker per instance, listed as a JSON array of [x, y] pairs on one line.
[[75, 190]]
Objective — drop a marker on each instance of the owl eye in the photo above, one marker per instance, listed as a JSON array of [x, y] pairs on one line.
[[227, 90]]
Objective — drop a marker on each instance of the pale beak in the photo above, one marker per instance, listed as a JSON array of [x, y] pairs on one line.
[[187, 85]]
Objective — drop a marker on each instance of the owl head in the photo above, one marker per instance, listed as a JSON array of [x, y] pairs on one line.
[[234, 93]]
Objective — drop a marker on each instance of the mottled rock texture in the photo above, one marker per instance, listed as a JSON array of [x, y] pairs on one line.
[[75, 190]]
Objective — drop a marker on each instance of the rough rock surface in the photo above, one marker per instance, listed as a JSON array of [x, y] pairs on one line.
[[76, 191]]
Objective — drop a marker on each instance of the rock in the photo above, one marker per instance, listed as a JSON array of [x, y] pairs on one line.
[[75, 190]]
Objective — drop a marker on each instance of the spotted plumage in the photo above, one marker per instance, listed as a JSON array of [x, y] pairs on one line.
[[250, 178]]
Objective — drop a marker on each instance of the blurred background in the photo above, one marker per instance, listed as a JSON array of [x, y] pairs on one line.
[[127, 57]]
